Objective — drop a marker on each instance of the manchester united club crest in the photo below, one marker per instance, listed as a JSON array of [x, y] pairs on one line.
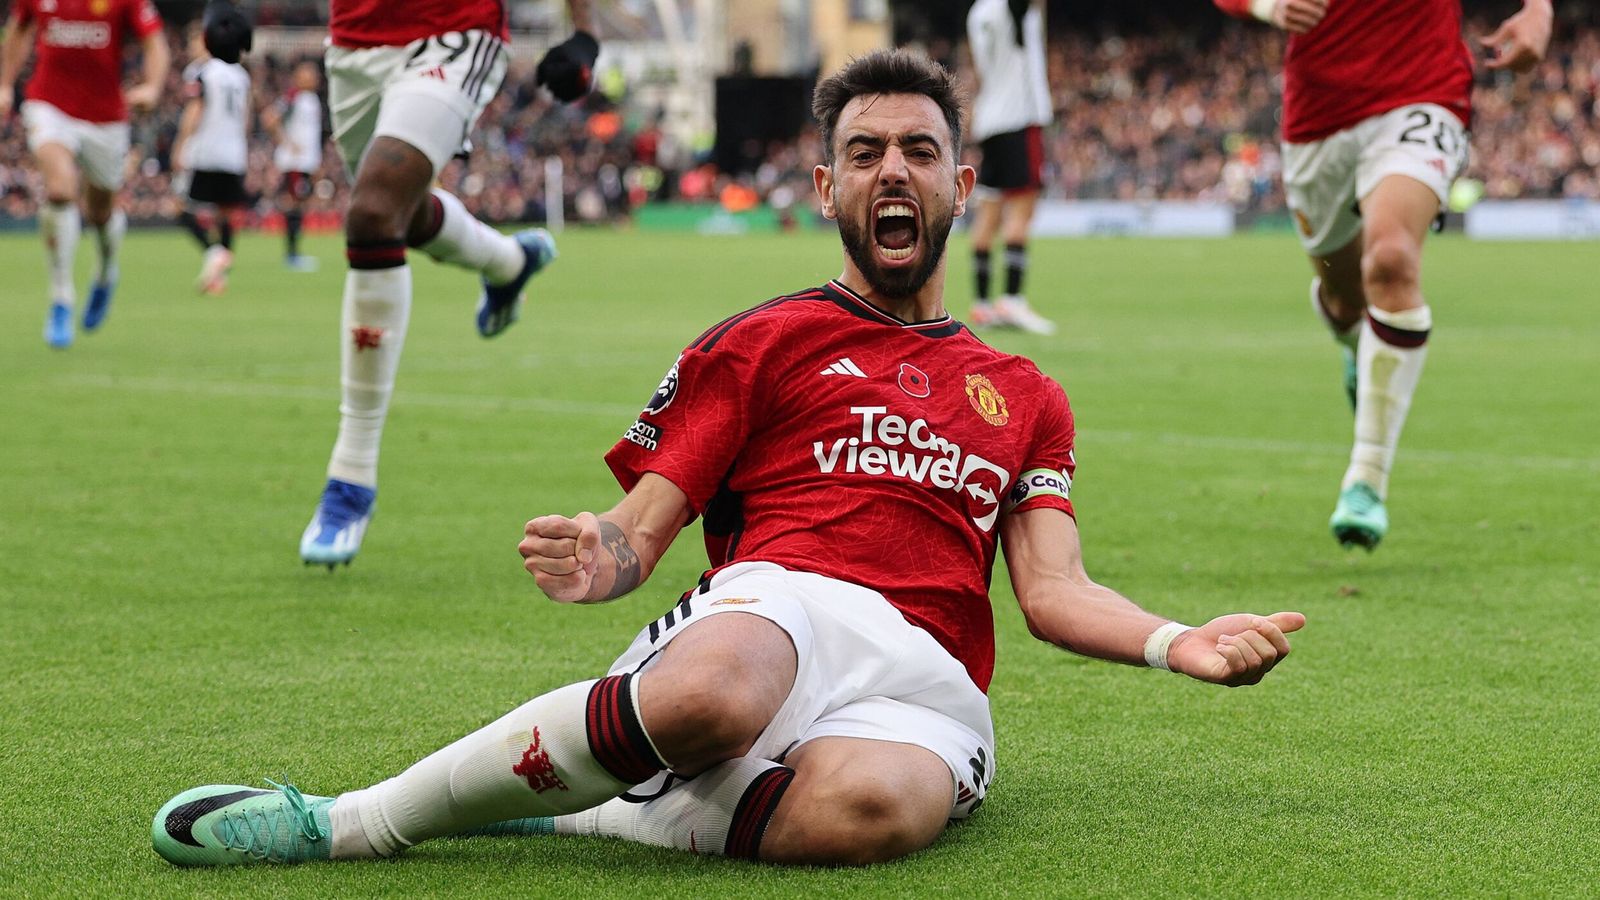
[[987, 401], [537, 769], [366, 338], [914, 381], [99, 7]]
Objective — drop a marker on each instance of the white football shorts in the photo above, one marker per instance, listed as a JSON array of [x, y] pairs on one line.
[[101, 148], [863, 672], [1326, 179], [427, 93]]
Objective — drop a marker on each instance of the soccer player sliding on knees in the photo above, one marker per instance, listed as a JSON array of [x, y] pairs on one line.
[[857, 458]]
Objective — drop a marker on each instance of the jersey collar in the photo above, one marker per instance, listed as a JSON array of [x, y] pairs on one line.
[[856, 305]]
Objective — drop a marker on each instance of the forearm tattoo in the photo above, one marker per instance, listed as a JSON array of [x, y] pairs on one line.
[[616, 543]]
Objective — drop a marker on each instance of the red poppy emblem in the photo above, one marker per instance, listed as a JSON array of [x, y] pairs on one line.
[[914, 381]]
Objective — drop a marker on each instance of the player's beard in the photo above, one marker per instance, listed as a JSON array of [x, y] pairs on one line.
[[901, 282]]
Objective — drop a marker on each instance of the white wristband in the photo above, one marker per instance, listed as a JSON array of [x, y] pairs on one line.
[[1264, 10], [1155, 646]]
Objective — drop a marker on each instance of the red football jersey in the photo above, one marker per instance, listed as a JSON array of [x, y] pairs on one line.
[[1367, 57], [818, 433], [395, 23], [78, 43]]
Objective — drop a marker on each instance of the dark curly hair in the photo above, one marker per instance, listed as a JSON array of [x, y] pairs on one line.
[[886, 72]]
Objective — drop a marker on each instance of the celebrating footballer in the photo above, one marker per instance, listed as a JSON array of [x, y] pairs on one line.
[[857, 458]]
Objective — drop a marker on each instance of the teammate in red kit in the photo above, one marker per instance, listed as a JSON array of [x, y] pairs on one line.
[[76, 114], [406, 82], [857, 456], [1376, 103]]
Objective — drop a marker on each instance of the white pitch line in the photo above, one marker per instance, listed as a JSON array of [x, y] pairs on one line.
[[160, 385], [617, 411]]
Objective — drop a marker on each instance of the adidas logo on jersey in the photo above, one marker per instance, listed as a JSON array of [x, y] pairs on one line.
[[844, 367]]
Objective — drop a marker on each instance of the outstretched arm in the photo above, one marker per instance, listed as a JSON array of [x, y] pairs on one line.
[[591, 559], [1521, 41], [1065, 607], [1297, 16]]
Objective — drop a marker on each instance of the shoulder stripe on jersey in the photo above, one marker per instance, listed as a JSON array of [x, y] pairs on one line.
[[709, 338], [856, 305]]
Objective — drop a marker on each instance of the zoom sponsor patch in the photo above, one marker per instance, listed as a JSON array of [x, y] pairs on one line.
[[644, 434], [1040, 483]]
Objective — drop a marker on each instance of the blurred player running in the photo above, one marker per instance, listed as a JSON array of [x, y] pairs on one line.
[[406, 82], [1008, 116], [857, 456], [76, 114], [1376, 103], [295, 123], [212, 143]]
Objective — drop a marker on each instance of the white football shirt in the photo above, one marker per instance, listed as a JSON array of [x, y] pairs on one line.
[[1013, 91], [301, 149], [219, 141]]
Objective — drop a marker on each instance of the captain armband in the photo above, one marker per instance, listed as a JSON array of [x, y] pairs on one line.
[[1039, 483]]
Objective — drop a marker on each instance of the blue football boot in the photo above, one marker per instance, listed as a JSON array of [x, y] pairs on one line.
[[334, 535], [498, 305]]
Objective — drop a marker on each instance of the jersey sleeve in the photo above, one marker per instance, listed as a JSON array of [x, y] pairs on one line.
[[1237, 8], [193, 87], [698, 420], [143, 19], [1046, 479]]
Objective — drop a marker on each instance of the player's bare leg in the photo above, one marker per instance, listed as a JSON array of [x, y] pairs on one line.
[[856, 801], [985, 225], [1017, 220], [110, 224], [1392, 349], [60, 225], [1338, 300]]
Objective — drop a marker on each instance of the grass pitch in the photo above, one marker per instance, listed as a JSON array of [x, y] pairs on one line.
[[1434, 732]]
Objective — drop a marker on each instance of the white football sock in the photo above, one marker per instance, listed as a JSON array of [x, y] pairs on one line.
[[60, 224], [694, 815], [1387, 376], [464, 241], [372, 328], [534, 761], [110, 237]]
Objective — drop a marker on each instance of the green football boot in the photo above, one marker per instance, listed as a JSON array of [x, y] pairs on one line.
[[230, 824], [1359, 519]]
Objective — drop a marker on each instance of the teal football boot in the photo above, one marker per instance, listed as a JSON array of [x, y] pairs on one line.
[[1360, 519], [230, 824]]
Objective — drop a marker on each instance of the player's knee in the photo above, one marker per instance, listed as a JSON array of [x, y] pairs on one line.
[[721, 720], [374, 218], [1391, 263], [871, 822]]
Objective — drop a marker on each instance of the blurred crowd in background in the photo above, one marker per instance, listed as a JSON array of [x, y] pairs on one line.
[[1161, 115]]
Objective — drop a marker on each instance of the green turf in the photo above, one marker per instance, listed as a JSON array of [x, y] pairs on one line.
[[1434, 733]]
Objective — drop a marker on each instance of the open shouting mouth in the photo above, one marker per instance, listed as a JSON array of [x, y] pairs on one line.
[[895, 229]]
